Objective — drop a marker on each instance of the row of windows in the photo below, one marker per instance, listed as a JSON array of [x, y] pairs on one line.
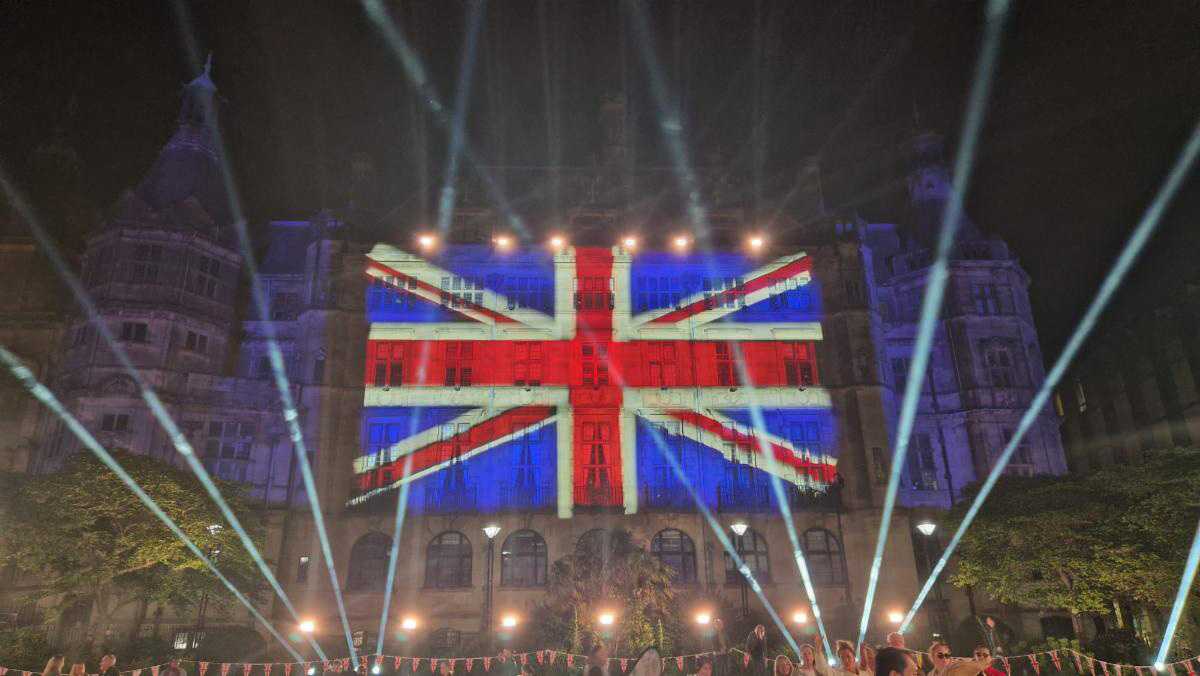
[[524, 558], [201, 278], [979, 298]]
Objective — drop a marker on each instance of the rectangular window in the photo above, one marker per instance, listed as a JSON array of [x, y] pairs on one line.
[[302, 569], [527, 364], [922, 468], [389, 364], [797, 365], [879, 466], [145, 263], [999, 363], [900, 366], [114, 422], [196, 342], [134, 332], [726, 370], [459, 363], [285, 305]]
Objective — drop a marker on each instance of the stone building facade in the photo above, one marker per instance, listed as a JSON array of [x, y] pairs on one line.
[[167, 279]]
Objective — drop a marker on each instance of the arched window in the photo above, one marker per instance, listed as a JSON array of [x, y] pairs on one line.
[[369, 560], [752, 547], [595, 543], [675, 549], [448, 561], [523, 560], [823, 553]]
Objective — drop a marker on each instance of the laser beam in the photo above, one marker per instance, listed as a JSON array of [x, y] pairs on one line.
[[44, 395], [1133, 248], [462, 99], [935, 287]]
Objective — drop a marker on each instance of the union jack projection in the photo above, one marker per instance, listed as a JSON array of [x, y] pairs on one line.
[[539, 380]]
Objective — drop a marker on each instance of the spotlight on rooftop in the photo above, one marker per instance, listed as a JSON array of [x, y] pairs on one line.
[[756, 243], [703, 618], [503, 242], [895, 617], [800, 617], [558, 242], [508, 621], [426, 241], [629, 243], [681, 242], [409, 623]]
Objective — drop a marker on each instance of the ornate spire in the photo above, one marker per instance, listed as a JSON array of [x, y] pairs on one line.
[[199, 95]]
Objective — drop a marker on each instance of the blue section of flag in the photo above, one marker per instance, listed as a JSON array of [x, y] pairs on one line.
[[810, 428]]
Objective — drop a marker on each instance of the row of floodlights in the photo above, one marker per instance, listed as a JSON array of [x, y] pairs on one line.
[[681, 243]]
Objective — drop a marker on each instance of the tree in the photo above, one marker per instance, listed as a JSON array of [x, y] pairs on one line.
[[94, 545], [614, 575], [1085, 542]]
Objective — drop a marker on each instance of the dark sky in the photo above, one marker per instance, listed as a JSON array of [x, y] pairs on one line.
[[1092, 101]]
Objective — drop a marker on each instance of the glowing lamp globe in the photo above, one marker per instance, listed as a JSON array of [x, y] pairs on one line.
[[491, 530], [703, 618], [408, 623], [308, 626], [508, 621], [800, 617], [607, 619], [739, 529], [927, 527], [895, 617]]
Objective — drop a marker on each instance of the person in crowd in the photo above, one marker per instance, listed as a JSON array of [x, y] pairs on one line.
[[108, 666], [940, 657], [896, 640], [78, 669], [54, 666], [173, 669], [507, 665], [783, 666], [756, 648], [983, 655], [808, 661], [866, 657], [894, 661], [704, 668]]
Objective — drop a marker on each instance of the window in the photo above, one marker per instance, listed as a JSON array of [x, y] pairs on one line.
[[459, 360], [879, 466], [594, 293], [1080, 396], [204, 279], [676, 551], [318, 368], [302, 568], [196, 342], [1023, 454], [823, 553], [525, 465], [262, 368], [183, 640], [81, 336], [752, 547], [722, 292], [448, 561], [797, 364], [523, 560], [998, 361], [992, 299], [145, 263], [389, 364], [369, 559], [594, 364], [922, 469], [458, 292], [527, 364], [134, 332], [114, 422], [596, 544], [900, 367], [727, 375], [856, 295], [661, 364], [285, 305]]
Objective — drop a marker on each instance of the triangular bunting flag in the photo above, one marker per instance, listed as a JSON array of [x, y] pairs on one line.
[[267, 669], [396, 663], [224, 669], [624, 664], [3, 671], [287, 669], [570, 660], [1078, 664], [1037, 666], [679, 663], [541, 656], [470, 663], [1137, 670], [345, 664], [1004, 661], [416, 664], [746, 659], [433, 664], [553, 656], [136, 672], [154, 670], [1092, 666], [26, 673], [1188, 665], [379, 660], [245, 670], [203, 666], [487, 664], [1055, 659], [524, 658]]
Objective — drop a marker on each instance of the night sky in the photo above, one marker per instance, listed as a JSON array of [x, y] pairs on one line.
[[1091, 104]]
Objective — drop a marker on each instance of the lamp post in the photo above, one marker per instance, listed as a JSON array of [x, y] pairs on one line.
[[213, 551], [927, 528], [739, 529], [491, 531]]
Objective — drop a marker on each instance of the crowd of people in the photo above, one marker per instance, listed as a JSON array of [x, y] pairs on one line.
[[892, 659]]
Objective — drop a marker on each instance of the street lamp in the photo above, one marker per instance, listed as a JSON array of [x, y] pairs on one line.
[[408, 623], [927, 527], [703, 619], [307, 626], [895, 617], [491, 531], [606, 618], [214, 551], [739, 529], [509, 621], [800, 617]]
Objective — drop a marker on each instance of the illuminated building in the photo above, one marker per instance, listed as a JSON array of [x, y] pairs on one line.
[[532, 385]]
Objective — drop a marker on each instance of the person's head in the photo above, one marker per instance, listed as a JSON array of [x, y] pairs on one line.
[[866, 656], [78, 669], [808, 655], [983, 655], [705, 668], [895, 640], [760, 631], [108, 661], [845, 653], [892, 661], [783, 666], [505, 653], [718, 623], [54, 666], [174, 662], [939, 653]]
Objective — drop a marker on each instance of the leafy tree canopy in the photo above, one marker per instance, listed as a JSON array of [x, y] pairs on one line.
[[88, 539], [1079, 542]]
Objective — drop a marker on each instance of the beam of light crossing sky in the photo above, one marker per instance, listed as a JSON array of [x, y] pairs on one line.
[[178, 439], [44, 395], [1112, 281], [420, 81], [401, 513], [462, 100], [719, 531], [291, 415], [1181, 598], [935, 286]]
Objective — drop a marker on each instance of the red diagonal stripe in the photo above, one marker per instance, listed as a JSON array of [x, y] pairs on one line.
[[784, 455], [439, 452], [761, 282], [504, 319]]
